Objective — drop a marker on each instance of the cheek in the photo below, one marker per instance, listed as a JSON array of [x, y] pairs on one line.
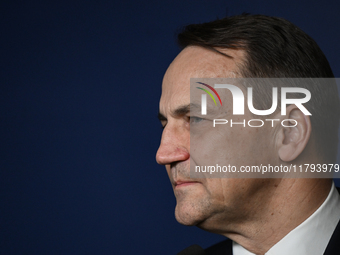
[[216, 189], [229, 192]]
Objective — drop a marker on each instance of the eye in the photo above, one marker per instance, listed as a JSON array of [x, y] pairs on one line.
[[163, 124], [194, 120]]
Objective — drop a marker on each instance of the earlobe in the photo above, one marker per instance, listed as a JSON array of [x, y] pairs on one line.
[[294, 135]]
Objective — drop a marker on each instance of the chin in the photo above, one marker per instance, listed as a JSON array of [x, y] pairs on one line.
[[190, 214]]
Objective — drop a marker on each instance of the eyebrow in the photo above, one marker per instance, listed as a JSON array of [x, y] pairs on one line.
[[180, 111]]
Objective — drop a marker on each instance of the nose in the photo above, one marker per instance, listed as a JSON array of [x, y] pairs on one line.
[[174, 146]]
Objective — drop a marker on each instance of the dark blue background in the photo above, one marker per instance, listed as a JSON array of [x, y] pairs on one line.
[[80, 84]]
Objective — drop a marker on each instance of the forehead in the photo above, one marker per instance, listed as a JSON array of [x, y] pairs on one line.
[[196, 62]]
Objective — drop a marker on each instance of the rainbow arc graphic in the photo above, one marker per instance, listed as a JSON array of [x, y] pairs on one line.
[[209, 93]]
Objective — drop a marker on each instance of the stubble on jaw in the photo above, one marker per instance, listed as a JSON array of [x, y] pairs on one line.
[[191, 212]]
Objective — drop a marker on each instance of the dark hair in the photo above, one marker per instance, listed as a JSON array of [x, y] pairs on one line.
[[276, 48]]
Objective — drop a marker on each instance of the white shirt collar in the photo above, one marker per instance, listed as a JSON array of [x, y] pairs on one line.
[[311, 236]]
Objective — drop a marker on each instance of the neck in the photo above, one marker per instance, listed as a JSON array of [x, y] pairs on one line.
[[291, 203]]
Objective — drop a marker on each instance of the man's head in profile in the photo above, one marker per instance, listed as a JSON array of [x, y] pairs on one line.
[[256, 213]]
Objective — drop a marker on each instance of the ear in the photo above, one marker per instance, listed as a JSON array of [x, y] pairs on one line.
[[294, 135]]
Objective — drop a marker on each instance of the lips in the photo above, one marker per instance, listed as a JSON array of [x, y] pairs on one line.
[[182, 183]]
